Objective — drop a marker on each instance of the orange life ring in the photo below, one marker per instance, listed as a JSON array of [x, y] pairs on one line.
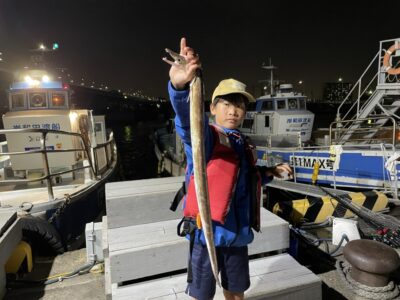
[[386, 60]]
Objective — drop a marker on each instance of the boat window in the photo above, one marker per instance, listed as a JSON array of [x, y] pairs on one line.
[[247, 123], [292, 103], [57, 100], [37, 100], [267, 105], [266, 121], [302, 103], [281, 104], [18, 101]]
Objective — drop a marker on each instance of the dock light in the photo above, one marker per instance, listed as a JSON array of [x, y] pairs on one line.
[[300, 81], [340, 79], [45, 78], [42, 47]]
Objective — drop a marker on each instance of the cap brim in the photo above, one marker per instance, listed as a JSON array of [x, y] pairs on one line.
[[249, 97]]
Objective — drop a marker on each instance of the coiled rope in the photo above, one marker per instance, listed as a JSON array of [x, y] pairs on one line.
[[388, 292]]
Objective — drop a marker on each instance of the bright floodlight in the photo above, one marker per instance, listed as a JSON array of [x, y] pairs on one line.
[[30, 81], [45, 78]]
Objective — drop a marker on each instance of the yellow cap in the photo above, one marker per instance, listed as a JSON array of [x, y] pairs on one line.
[[231, 86]]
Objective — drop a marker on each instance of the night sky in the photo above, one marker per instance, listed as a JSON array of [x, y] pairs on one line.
[[120, 43]]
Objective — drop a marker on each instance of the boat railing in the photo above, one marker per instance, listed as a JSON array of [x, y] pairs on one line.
[[96, 169], [369, 131], [108, 149], [390, 180], [392, 173]]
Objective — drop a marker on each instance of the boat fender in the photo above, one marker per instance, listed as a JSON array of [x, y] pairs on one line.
[[40, 233], [386, 59]]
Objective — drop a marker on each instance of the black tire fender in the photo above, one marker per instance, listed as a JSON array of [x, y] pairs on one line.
[[40, 234]]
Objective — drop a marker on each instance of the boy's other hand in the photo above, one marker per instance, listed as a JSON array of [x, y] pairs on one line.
[[180, 75], [279, 170]]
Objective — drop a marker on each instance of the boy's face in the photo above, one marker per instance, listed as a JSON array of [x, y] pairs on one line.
[[228, 114]]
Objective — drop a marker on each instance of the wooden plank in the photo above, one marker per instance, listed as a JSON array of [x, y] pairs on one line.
[[143, 190], [150, 249], [141, 209], [111, 186], [141, 201], [283, 278]]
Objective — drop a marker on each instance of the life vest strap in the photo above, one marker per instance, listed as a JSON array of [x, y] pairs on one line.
[[178, 197], [189, 227]]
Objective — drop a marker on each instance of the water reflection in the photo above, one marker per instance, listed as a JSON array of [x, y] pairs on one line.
[[136, 150]]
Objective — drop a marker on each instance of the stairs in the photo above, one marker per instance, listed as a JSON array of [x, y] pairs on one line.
[[362, 123], [145, 259]]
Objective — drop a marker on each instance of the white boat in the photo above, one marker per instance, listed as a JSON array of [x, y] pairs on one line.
[[54, 161], [361, 147]]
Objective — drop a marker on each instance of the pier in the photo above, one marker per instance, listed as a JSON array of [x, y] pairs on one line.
[[140, 244]]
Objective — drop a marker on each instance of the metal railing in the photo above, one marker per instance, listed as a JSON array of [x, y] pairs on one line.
[[109, 147], [361, 133], [362, 91]]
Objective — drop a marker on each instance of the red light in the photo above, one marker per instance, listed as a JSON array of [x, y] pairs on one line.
[[65, 86]]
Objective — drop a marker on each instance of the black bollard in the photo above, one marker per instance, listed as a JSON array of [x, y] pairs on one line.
[[371, 262]]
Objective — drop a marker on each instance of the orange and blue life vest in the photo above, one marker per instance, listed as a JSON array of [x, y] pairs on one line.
[[222, 176]]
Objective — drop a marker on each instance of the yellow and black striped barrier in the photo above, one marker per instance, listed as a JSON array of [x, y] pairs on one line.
[[315, 209]]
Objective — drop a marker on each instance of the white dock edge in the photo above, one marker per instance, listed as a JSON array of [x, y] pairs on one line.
[[278, 277], [149, 249]]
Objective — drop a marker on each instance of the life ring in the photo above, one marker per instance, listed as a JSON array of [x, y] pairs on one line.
[[386, 60]]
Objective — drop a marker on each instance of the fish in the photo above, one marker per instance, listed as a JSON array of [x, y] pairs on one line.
[[196, 97], [197, 136]]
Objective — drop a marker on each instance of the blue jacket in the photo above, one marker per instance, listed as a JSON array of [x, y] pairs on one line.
[[236, 231]]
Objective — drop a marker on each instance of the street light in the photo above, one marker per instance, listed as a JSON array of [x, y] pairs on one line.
[[340, 79]]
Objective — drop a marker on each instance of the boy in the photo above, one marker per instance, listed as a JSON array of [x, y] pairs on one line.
[[229, 170]]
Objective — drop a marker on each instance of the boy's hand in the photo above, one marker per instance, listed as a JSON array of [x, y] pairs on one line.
[[278, 170], [181, 74]]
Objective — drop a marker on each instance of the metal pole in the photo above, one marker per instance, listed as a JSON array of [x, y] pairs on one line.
[[46, 166]]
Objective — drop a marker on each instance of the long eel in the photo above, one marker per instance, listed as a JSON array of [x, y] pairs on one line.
[[199, 166]]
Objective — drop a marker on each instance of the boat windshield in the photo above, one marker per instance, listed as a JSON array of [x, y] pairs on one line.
[[268, 105]]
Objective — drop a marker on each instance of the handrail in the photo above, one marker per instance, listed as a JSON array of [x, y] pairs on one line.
[[393, 138], [93, 165], [353, 88]]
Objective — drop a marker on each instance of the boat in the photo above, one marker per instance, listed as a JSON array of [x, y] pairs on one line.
[[54, 161], [169, 151], [360, 149]]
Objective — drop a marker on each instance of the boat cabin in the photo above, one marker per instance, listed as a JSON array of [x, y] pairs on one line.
[[36, 101], [284, 114]]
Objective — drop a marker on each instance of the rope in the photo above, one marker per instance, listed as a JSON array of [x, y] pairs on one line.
[[388, 292]]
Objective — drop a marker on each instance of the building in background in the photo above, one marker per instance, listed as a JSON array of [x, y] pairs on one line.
[[335, 92]]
